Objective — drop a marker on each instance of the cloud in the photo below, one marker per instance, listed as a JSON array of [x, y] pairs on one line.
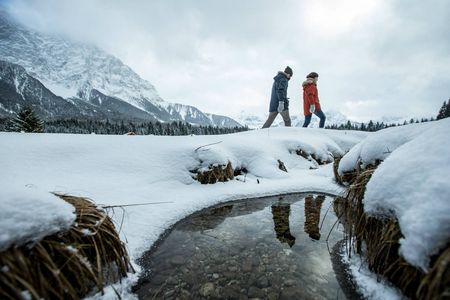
[[221, 56], [363, 110]]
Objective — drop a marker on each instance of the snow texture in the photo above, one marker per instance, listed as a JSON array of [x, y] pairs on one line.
[[369, 284], [381, 144], [27, 213], [122, 170], [411, 184]]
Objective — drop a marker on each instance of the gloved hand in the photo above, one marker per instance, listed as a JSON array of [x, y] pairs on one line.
[[280, 106], [312, 108]]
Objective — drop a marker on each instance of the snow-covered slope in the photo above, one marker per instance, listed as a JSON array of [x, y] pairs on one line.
[[223, 121], [193, 115], [18, 89], [75, 70], [72, 69]]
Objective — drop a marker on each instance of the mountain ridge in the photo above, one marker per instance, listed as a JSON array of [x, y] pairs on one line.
[[80, 72]]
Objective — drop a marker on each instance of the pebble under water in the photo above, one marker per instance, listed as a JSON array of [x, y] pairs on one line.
[[267, 248]]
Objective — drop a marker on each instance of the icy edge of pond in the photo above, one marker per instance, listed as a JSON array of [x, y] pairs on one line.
[[368, 284]]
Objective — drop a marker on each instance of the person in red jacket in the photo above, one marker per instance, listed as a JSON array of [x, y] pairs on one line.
[[311, 103]]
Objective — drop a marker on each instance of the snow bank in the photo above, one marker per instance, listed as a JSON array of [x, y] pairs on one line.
[[410, 184], [28, 214], [123, 170], [381, 144], [368, 283]]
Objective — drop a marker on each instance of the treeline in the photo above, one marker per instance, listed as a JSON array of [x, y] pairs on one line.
[[86, 126], [444, 112], [373, 126]]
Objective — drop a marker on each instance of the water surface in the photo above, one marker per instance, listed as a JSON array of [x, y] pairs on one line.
[[267, 248]]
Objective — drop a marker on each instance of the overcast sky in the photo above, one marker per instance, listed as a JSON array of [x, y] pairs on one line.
[[375, 58]]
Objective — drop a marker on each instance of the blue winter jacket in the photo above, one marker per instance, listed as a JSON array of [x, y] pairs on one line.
[[279, 92]]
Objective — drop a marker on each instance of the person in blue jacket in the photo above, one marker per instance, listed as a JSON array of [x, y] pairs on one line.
[[279, 102]]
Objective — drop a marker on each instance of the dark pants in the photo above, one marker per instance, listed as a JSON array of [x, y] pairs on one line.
[[321, 116], [273, 115]]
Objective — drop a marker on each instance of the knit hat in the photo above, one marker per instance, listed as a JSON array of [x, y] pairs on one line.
[[288, 70], [312, 75]]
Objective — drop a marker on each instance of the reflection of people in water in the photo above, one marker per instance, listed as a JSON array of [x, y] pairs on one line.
[[312, 215], [280, 213]]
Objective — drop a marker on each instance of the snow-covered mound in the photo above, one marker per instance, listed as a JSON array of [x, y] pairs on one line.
[[28, 214], [411, 184], [143, 169]]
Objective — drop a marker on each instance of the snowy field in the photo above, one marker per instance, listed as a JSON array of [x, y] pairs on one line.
[[125, 170]]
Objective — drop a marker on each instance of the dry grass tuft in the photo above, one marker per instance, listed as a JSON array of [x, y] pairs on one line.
[[378, 239], [335, 170], [303, 154], [312, 156], [350, 176], [221, 173], [281, 166], [67, 265]]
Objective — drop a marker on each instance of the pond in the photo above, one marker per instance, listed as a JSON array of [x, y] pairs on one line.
[[268, 248]]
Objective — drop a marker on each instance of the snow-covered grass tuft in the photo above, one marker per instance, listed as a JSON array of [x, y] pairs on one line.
[[28, 214], [398, 215], [410, 184], [66, 265]]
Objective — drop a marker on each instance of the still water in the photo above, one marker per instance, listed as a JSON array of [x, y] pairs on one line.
[[267, 248]]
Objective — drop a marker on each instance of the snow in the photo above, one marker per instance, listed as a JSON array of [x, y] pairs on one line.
[[122, 170], [368, 283], [129, 170], [60, 89], [411, 184], [381, 144], [28, 213]]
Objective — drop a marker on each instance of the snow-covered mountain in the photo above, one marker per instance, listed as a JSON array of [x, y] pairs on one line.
[[254, 121], [75, 71]]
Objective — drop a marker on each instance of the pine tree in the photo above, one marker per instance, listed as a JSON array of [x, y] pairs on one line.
[[442, 111], [27, 121], [447, 110], [363, 127]]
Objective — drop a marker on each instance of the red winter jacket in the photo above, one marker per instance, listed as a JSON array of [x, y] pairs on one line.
[[310, 96]]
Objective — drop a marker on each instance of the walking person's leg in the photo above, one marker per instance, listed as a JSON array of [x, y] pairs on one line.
[[307, 120], [270, 119], [322, 118], [286, 118]]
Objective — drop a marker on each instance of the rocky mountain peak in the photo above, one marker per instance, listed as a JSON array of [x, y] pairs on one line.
[[74, 70]]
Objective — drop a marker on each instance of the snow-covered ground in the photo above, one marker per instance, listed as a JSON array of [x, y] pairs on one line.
[[124, 170], [411, 184]]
